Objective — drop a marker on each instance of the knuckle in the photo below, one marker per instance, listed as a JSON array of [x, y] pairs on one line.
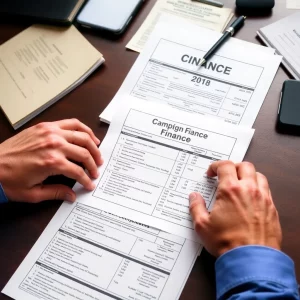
[[53, 141], [229, 187], [254, 191], [41, 125], [225, 163], [262, 176], [85, 155], [233, 187], [57, 195], [46, 128], [75, 121], [86, 137], [51, 160], [89, 130], [79, 173], [247, 164]]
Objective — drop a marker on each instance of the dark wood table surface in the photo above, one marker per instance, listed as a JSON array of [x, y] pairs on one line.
[[274, 154]]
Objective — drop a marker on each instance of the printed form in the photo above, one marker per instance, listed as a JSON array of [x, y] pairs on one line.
[[106, 245], [204, 15], [231, 86], [155, 156], [86, 253]]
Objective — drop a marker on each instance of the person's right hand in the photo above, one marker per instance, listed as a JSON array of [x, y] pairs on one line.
[[243, 214], [44, 150]]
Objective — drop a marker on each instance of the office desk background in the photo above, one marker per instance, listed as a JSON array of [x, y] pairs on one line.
[[275, 155]]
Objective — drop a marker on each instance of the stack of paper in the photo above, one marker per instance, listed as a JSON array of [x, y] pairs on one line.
[[204, 15], [133, 236], [107, 245], [231, 86], [41, 65], [284, 36]]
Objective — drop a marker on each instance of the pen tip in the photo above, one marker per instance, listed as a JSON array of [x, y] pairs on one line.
[[244, 17], [202, 61]]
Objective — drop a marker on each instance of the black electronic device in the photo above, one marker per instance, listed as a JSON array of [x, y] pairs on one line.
[[46, 11], [109, 15], [255, 5], [289, 107]]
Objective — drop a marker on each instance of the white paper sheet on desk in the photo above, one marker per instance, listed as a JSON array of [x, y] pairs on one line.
[[284, 36], [155, 156], [208, 16], [86, 253], [293, 4], [232, 87]]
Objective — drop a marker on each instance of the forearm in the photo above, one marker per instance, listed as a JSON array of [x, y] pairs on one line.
[[255, 272]]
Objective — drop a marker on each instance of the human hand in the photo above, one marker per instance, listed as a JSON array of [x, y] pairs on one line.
[[44, 150], [243, 214]]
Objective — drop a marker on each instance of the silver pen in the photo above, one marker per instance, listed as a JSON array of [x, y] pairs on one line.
[[211, 2]]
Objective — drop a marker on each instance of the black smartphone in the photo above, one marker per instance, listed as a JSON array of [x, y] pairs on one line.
[[289, 107], [109, 15]]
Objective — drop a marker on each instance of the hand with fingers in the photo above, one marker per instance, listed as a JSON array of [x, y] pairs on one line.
[[243, 231], [243, 214], [44, 150]]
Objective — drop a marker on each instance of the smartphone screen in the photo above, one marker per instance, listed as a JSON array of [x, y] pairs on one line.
[[289, 107], [111, 15]]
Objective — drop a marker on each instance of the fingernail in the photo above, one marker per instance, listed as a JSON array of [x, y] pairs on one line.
[[192, 197], [102, 161], [98, 142], [69, 198]]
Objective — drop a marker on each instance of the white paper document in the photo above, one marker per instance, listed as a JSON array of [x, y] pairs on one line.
[[204, 15], [231, 86], [104, 246], [86, 253], [293, 4], [284, 36], [155, 156]]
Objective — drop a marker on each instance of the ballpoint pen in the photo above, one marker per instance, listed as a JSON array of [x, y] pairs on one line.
[[230, 31]]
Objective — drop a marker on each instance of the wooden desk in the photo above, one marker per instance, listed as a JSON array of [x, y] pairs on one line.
[[275, 155]]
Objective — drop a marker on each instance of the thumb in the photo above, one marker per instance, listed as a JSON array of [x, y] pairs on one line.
[[198, 211], [52, 192]]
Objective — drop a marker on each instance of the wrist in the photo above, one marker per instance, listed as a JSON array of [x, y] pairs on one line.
[[272, 241]]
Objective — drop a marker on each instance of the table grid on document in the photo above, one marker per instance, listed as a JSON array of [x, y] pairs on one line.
[[118, 247], [180, 171], [193, 92]]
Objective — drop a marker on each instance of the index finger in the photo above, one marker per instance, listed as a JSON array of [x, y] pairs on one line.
[[74, 124], [224, 169]]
